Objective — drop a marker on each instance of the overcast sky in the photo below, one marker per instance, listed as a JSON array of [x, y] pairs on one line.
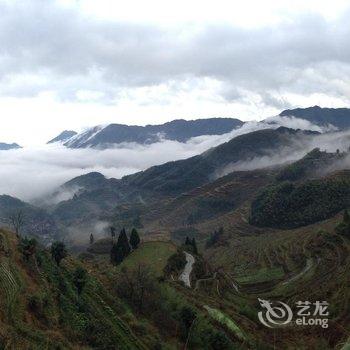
[[72, 64]]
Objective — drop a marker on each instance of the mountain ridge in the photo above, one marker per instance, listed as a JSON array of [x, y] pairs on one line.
[[338, 117], [8, 146], [177, 130], [182, 130], [63, 136]]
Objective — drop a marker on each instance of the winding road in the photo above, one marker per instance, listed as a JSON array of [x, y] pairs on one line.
[[309, 264], [186, 273]]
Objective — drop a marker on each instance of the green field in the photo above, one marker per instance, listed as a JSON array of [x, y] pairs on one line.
[[153, 254], [261, 275]]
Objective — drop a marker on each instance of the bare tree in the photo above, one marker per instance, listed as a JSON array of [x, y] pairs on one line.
[[139, 287], [17, 221]]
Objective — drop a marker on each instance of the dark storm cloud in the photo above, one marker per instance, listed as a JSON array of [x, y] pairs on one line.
[[45, 47]]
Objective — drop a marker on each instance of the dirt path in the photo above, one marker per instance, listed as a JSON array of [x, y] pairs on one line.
[[309, 264], [185, 275]]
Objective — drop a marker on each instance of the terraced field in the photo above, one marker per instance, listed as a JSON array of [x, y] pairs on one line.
[[249, 262], [57, 325], [310, 263]]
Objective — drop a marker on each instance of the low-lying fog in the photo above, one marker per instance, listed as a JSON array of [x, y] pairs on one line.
[[30, 173]]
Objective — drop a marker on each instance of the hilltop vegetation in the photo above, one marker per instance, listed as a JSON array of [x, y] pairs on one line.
[[288, 205], [314, 164]]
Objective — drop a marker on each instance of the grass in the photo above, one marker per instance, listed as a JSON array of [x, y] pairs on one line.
[[154, 254], [262, 275], [78, 322]]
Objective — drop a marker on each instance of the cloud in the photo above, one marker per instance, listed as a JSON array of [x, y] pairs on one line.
[[296, 123], [330, 142], [35, 172], [30, 173], [49, 47]]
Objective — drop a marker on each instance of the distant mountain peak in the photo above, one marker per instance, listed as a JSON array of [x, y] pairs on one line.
[[8, 146], [63, 136], [337, 117], [177, 130]]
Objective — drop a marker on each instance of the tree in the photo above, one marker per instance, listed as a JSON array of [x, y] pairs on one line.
[[219, 341], [187, 241], [80, 279], [58, 252], [134, 239], [194, 246], [139, 287], [187, 317], [124, 242], [214, 237], [112, 229], [121, 249], [117, 255], [343, 228], [92, 239], [28, 247], [17, 221]]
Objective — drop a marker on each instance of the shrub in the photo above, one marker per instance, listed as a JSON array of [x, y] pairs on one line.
[[176, 263]]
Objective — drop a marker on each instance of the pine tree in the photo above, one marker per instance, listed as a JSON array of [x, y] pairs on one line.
[[117, 255], [80, 279], [194, 246], [121, 249], [134, 239], [92, 239], [58, 251], [124, 242], [112, 233], [187, 241]]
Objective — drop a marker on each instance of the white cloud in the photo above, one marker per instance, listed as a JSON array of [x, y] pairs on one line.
[[70, 64], [33, 172]]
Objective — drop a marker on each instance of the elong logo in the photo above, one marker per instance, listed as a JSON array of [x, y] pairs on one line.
[[279, 314]]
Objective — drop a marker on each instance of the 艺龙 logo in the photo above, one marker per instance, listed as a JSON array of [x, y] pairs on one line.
[[274, 316], [277, 314]]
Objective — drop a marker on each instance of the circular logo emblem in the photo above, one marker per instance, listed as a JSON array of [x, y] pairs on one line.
[[276, 315]]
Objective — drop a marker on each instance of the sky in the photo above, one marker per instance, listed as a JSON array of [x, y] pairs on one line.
[[68, 64]]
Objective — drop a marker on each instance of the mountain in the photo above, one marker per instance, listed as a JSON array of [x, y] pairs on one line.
[[94, 195], [89, 196], [314, 164], [338, 117], [177, 130], [8, 146], [289, 205], [262, 235], [36, 221], [63, 136], [173, 178], [319, 183]]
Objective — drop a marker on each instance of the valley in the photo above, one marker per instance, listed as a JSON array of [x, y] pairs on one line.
[[188, 254]]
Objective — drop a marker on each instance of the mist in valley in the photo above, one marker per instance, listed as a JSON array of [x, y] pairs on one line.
[[32, 173], [329, 142]]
